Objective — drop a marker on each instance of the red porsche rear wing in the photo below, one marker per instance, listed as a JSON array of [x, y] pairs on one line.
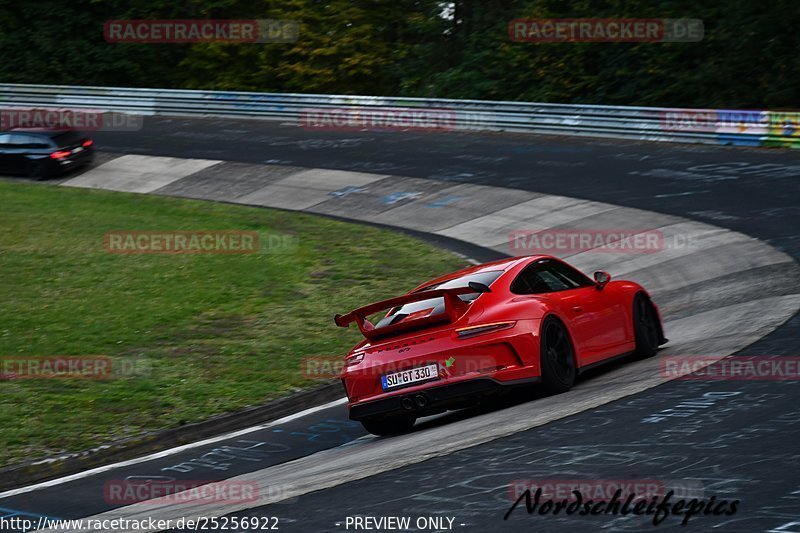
[[453, 308]]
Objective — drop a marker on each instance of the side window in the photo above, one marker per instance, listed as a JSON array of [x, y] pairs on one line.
[[548, 276], [5, 140], [553, 281], [530, 281], [19, 140], [572, 276], [38, 141]]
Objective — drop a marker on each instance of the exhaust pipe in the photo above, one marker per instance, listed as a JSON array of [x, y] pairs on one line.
[[421, 401], [407, 403]]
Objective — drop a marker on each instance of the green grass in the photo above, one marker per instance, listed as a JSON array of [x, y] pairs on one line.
[[206, 334]]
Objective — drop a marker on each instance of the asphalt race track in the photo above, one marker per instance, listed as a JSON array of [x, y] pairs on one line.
[[744, 189], [727, 439]]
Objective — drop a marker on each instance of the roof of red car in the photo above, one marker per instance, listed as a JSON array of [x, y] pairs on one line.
[[500, 264]]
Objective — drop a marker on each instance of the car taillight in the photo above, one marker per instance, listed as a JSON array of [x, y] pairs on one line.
[[88, 142], [60, 154], [480, 329], [354, 359]]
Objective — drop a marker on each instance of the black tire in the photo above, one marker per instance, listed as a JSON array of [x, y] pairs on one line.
[[390, 425], [645, 327], [36, 171], [557, 357]]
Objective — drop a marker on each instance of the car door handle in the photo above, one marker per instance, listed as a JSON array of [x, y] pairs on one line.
[[578, 309]]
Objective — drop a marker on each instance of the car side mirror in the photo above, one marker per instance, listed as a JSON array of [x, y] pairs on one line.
[[479, 287], [601, 279]]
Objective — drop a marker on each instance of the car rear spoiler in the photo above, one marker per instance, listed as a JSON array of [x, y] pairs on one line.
[[453, 308]]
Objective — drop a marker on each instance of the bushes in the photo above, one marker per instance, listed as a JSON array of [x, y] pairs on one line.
[[747, 59]]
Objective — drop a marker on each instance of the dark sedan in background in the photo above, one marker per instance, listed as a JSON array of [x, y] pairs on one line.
[[40, 153]]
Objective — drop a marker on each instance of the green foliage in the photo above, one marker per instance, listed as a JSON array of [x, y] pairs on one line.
[[748, 58]]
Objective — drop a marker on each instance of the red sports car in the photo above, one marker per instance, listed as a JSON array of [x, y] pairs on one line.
[[486, 328]]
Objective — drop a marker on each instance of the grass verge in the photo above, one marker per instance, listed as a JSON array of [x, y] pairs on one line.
[[198, 335]]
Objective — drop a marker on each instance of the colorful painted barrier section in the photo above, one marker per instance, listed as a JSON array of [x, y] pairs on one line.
[[783, 129], [737, 127]]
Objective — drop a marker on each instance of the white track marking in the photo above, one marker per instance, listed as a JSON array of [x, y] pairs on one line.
[[171, 451]]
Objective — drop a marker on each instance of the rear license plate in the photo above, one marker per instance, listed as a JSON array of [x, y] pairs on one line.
[[77, 149], [407, 377]]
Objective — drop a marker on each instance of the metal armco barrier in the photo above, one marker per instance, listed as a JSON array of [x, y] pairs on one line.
[[319, 111]]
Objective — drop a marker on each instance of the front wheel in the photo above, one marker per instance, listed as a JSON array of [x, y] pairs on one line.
[[557, 357], [645, 327], [390, 425]]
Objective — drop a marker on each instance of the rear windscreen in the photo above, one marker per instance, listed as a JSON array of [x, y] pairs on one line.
[[68, 138], [436, 305]]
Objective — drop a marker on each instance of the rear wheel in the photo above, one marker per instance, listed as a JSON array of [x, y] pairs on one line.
[[645, 327], [36, 170], [390, 425], [557, 357]]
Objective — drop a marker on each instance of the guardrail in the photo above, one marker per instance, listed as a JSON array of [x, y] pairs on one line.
[[319, 111]]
